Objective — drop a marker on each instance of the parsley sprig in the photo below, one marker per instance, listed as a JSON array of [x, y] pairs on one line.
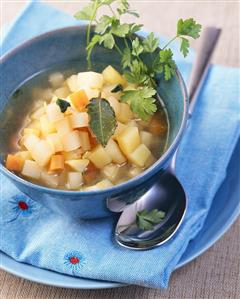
[[141, 59], [147, 219]]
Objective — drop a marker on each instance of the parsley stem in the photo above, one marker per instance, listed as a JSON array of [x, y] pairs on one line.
[[118, 49], [89, 31], [170, 42], [126, 43]]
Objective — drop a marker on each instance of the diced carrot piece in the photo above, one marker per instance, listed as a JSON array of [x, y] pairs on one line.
[[157, 125], [14, 163], [79, 100], [56, 163], [90, 174]]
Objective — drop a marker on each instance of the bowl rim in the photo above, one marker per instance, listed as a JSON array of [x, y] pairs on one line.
[[144, 176]]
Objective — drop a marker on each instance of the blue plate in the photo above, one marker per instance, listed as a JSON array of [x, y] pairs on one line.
[[224, 211]]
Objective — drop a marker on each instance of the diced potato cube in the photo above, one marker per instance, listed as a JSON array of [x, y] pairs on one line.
[[120, 127], [107, 90], [55, 142], [14, 163], [63, 126], [79, 100], [150, 161], [71, 141], [114, 152], [56, 79], [140, 155], [111, 172], [114, 103], [35, 124], [29, 141], [147, 138], [129, 140], [62, 92], [132, 123], [24, 155], [79, 120], [54, 113], [111, 76], [56, 163], [76, 154], [101, 185], [99, 157], [51, 180], [75, 180], [125, 113], [85, 141], [38, 113], [90, 79], [72, 83], [42, 152], [47, 94], [46, 126], [27, 131], [90, 92], [31, 169], [78, 165], [134, 171]]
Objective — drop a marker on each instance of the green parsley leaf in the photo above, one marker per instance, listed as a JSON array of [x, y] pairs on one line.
[[146, 220], [150, 43], [141, 101], [167, 64], [188, 27], [137, 48], [86, 13], [103, 24], [134, 28], [117, 88], [102, 119], [184, 46], [63, 105], [120, 30], [138, 73], [126, 58], [108, 40]]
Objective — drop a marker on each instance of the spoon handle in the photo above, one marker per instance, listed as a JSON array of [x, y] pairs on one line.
[[208, 40]]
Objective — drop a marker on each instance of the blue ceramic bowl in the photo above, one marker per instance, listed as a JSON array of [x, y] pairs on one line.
[[60, 47]]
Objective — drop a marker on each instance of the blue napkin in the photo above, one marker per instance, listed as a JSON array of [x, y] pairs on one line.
[[34, 235]]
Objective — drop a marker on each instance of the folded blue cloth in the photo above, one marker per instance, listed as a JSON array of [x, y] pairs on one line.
[[34, 235]]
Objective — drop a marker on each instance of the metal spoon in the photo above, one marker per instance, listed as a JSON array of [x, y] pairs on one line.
[[168, 194]]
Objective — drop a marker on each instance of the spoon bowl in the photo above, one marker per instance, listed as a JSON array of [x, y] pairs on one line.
[[168, 196]]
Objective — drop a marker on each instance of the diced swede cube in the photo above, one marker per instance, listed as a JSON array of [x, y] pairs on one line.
[[79, 100], [78, 165], [111, 172], [42, 152], [120, 127], [56, 79], [125, 113], [55, 142], [114, 152], [76, 154], [71, 141], [72, 83], [63, 126], [85, 141], [147, 138], [129, 140], [35, 124], [24, 155], [46, 126], [90, 79], [79, 120], [75, 180], [114, 103], [29, 141], [31, 169], [99, 157], [90, 92], [14, 163], [62, 92], [111, 76], [140, 155], [54, 113]]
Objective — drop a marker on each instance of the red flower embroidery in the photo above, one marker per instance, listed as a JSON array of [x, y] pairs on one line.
[[23, 205], [74, 260]]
